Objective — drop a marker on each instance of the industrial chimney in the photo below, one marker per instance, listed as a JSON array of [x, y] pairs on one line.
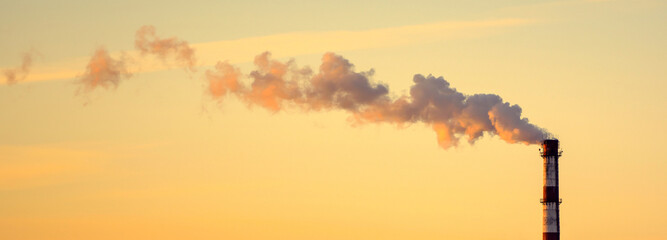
[[551, 200]]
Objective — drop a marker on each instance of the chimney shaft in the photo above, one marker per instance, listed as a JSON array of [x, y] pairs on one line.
[[551, 199]]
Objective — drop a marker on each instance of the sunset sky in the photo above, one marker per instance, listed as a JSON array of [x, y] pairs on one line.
[[159, 154]]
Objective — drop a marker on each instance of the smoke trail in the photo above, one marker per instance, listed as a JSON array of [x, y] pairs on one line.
[[103, 71], [337, 85], [275, 83], [224, 80], [18, 74], [452, 115], [147, 42]]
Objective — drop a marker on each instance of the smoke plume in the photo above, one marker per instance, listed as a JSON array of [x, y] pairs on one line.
[[276, 85], [453, 115], [18, 74], [103, 71], [147, 42]]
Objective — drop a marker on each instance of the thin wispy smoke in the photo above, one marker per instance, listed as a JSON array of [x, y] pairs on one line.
[[106, 72], [103, 71], [147, 42], [453, 115], [19, 73]]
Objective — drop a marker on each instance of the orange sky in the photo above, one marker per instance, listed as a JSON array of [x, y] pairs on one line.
[[155, 156]]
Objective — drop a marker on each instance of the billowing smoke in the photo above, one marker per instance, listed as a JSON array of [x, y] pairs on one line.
[[223, 80], [276, 85], [103, 71], [453, 115], [337, 85], [147, 42], [18, 74]]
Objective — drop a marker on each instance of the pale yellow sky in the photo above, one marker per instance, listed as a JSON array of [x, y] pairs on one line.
[[157, 158], [244, 49]]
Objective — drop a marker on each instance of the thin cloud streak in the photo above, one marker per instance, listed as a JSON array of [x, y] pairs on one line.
[[30, 166], [292, 44]]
